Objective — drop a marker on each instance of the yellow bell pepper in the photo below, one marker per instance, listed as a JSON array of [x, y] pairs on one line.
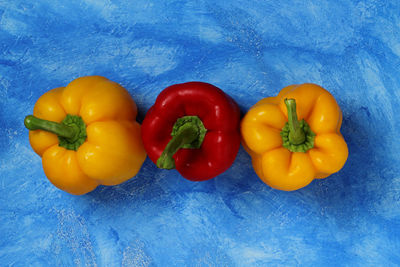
[[87, 135], [288, 153]]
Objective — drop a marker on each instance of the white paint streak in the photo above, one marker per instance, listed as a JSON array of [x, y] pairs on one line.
[[377, 92], [155, 60], [211, 33], [388, 31], [373, 249], [12, 25], [275, 250], [388, 205], [20, 155], [135, 256], [73, 230]]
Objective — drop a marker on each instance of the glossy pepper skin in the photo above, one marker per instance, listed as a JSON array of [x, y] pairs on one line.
[[104, 146], [200, 104], [267, 136]]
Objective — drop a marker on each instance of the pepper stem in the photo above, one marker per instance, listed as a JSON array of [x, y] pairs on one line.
[[33, 123], [71, 131], [188, 132], [296, 134]]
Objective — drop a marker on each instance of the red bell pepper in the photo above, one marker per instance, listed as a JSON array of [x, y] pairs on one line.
[[193, 127]]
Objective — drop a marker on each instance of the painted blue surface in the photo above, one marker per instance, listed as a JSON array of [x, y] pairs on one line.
[[249, 49]]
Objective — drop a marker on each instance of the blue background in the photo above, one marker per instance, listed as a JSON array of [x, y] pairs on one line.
[[250, 49]]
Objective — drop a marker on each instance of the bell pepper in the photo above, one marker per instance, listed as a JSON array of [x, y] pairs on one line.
[[86, 134], [193, 127], [295, 137]]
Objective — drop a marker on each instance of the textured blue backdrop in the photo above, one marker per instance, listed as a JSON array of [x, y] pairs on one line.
[[250, 49]]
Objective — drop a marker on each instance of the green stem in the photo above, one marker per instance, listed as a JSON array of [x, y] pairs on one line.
[[71, 131], [296, 134], [188, 132], [33, 123], [184, 136]]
